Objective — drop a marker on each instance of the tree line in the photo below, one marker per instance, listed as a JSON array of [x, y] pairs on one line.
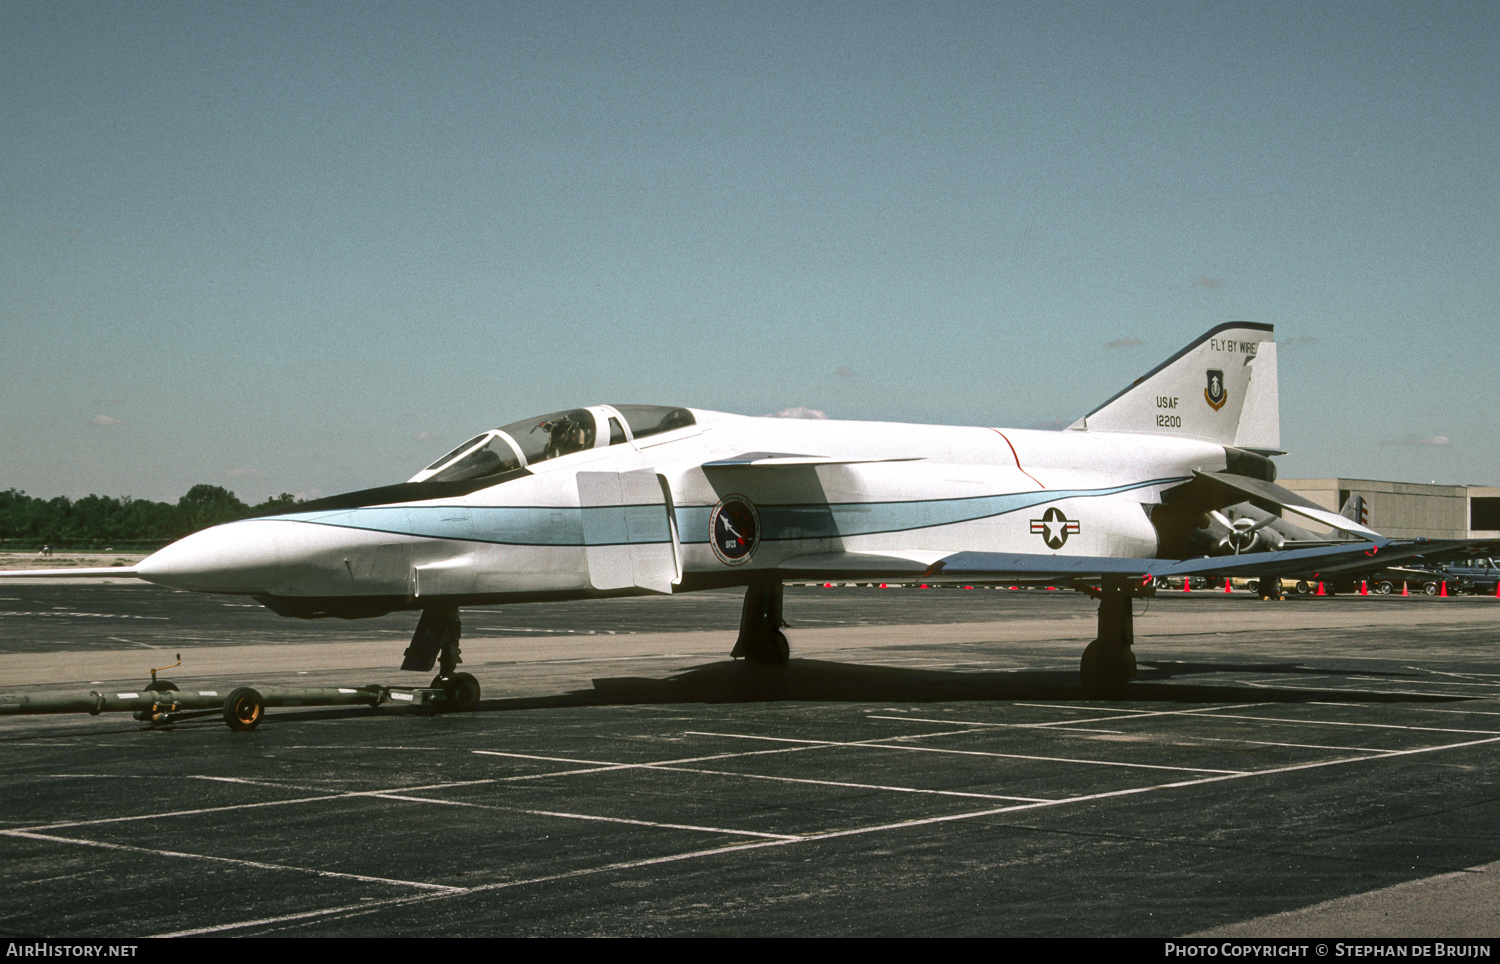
[[100, 521]]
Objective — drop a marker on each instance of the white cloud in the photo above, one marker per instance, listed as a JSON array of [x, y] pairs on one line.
[[1418, 440], [105, 420], [244, 473], [799, 411]]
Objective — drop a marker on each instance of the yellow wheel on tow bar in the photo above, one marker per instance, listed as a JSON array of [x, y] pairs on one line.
[[243, 709]]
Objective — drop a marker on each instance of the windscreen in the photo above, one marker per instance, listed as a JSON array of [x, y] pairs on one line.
[[457, 452], [549, 436], [494, 457]]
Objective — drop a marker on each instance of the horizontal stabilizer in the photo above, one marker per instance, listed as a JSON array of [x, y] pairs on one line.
[[1263, 491]]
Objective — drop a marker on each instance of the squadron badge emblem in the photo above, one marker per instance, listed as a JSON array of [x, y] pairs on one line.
[[1054, 527], [1216, 393], [734, 530]]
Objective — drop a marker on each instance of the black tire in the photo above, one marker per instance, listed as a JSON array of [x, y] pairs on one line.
[[460, 692], [161, 686], [1384, 587], [463, 692], [1429, 588], [244, 709], [1303, 588], [1253, 586]]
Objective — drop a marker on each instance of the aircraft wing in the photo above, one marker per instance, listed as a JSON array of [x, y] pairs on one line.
[[1344, 559], [859, 565]]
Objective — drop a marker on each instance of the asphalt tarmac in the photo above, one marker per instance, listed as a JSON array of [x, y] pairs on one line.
[[925, 766]]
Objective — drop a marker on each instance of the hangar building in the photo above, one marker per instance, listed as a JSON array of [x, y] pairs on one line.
[[1407, 510]]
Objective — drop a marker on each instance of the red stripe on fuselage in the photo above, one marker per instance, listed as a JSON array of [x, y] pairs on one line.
[[1017, 458]]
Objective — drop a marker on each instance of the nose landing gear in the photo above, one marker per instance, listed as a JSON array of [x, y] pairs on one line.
[[436, 641]]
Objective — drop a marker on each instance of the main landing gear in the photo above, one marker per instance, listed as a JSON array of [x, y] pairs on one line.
[[436, 641], [761, 640], [1108, 662]]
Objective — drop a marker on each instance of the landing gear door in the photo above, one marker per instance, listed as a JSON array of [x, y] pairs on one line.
[[627, 534]]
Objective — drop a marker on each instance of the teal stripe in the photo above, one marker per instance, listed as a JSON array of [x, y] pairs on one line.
[[641, 524]]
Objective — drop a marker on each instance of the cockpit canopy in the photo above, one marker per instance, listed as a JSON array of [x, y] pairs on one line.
[[550, 436]]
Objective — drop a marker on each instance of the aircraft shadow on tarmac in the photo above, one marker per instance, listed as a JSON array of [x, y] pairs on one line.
[[727, 681]]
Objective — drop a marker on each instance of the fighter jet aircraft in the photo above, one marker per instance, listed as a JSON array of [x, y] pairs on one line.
[[615, 500]]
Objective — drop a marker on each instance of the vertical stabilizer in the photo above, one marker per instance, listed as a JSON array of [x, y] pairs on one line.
[[1220, 388]]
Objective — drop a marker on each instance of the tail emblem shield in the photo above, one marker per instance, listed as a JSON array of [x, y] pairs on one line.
[[1215, 393]]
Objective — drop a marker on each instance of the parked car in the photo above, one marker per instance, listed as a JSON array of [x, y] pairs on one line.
[[1477, 574], [1426, 579]]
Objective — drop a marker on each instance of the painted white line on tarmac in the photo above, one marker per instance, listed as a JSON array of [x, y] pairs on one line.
[[666, 826], [1429, 709], [1214, 714], [229, 808], [253, 864], [856, 786], [984, 753], [366, 906], [1301, 746], [185, 813], [680, 766]]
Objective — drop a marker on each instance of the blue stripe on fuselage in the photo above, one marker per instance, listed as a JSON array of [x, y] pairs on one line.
[[637, 524]]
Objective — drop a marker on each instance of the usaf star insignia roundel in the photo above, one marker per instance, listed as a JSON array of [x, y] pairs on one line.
[[1054, 527], [1216, 393]]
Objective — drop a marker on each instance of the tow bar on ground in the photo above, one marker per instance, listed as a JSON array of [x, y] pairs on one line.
[[243, 707]]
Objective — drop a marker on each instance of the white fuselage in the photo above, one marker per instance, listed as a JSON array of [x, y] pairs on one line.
[[818, 497]]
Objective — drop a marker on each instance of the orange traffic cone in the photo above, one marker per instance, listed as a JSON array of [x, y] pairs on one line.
[[1187, 583], [1226, 585], [1364, 588], [1320, 591], [1403, 588], [1497, 590], [1443, 590]]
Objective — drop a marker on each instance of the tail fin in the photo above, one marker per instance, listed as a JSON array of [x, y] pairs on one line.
[[1356, 509], [1220, 388]]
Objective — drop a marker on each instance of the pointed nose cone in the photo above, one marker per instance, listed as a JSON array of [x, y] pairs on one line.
[[238, 557]]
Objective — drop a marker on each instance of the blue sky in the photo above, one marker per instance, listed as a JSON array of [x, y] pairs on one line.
[[307, 248]]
